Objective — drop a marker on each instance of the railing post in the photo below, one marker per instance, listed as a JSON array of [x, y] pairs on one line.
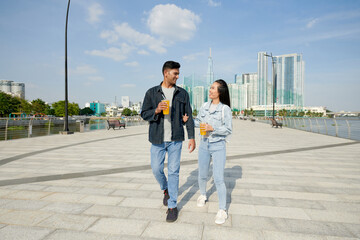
[[49, 126], [336, 128], [349, 130], [294, 123], [6, 128], [317, 123], [326, 126], [30, 128], [304, 123], [310, 125]]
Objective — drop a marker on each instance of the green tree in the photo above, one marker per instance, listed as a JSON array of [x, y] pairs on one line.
[[126, 112], [308, 113], [294, 113], [134, 113], [25, 106], [86, 111], [195, 113], [8, 104], [301, 114], [59, 108], [39, 106]]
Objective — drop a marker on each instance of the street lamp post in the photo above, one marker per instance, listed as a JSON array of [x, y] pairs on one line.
[[66, 127], [273, 80]]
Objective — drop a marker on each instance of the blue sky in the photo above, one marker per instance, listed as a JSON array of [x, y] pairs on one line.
[[117, 48]]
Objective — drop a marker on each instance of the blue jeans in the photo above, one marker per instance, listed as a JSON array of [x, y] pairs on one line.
[[158, 152], [216, 151]]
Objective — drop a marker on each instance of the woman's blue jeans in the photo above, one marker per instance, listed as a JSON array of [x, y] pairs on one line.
[[216, 151], [158, 152]]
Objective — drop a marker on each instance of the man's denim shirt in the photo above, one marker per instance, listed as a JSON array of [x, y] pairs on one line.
[[222, 127], [180, 106]]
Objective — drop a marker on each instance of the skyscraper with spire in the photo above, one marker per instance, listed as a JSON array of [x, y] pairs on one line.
[[210, 72]]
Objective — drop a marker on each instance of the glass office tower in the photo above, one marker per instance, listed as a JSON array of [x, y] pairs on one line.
[[289, 71], [262, 79]]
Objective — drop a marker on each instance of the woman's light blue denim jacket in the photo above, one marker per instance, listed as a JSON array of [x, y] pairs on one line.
[[222, 127]]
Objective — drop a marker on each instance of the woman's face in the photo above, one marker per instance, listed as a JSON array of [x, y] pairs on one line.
[[213, 92]]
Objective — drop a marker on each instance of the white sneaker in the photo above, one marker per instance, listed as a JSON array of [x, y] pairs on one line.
[[221, 216], [201, 200]]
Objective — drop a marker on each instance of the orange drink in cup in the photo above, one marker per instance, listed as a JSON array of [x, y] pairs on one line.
[[202, 129], [166, 111]]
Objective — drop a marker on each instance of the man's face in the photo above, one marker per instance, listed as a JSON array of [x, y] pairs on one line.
[[171, 75]]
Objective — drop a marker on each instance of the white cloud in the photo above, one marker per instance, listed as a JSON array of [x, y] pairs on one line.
[[212, 3], [83, 70], [125, 32], [96, 79], [311, 23], [95, 11], [194, 56], [113, 53], [173, 23], [132, 64], [128, 85], [143, 52]]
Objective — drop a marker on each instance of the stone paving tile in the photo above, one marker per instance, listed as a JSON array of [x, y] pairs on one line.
[[312, 227], [333, 216], [141, 203], [294, 195], [199, 218], [68, 221], [23, 194], [122, 185], [273, 235], [65, 197], [95, 191], [63, 189], [353, 228], [4, 201], [281, 212], [342, 206], [296, 203], [31, 187], [25, 204], [234, 208], [111, 211], [119, 226], [23, 233], [253, 222], [220, 233], [150, 214], [164, 230], [104, 200], [63, 207], [68, 234], [22, 217], [131, 193]]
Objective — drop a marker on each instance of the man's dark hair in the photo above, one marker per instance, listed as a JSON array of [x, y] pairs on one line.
[[170, 65], [223, 92]]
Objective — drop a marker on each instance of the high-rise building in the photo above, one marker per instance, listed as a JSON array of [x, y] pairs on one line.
[[13, 88], [97, 107], [238, 79], [210, 71], [198, 97], [234, 90], [252, 83], [262, 79], [289, 70], [125, 101]]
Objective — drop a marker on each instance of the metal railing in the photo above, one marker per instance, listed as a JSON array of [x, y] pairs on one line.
[[338, 127], [15, 128]]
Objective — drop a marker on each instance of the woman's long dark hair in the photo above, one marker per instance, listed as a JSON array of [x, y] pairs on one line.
[[223, 92]]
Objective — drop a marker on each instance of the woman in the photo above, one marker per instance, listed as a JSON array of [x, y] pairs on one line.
[[216, 114]]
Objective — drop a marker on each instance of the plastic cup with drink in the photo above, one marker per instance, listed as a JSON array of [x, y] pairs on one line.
[[166, 111]]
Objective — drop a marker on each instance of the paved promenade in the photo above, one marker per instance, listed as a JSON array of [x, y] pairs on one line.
[[282, 184]]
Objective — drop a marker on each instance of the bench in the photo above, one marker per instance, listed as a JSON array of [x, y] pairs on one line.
[[274, 123], [115, 123]]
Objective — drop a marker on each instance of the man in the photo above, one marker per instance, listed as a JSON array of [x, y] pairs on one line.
[[166, 132]]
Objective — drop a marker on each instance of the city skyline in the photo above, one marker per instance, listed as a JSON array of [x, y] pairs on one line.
[[117, 48]]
